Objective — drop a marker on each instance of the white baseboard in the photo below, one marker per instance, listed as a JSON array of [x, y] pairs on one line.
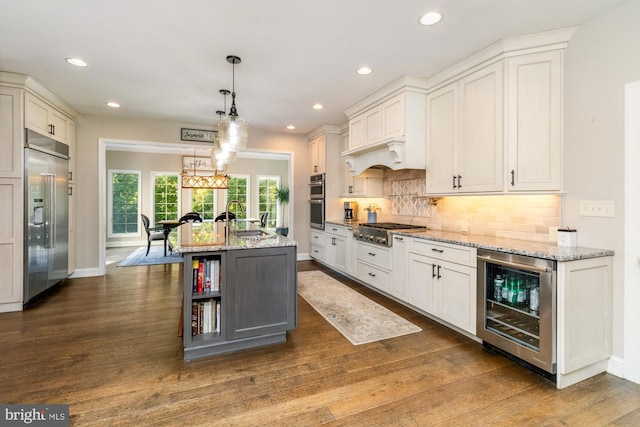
[[303, 257], [9, 307], [616, 366], [126, 243], [88, 272]]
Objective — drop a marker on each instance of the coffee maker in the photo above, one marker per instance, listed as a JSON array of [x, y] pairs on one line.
[[350, 211]]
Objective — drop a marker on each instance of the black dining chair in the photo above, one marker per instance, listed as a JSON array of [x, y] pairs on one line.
[[190, 217], [222, 217], [263, 219], [153, 233]]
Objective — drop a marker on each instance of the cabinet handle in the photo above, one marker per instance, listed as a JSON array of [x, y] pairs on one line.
[[70, 190], [333, 241], [433, 270], [439, 276], [372, 275], [53, 127], [398, 238], [315, 168], [372, 254], [454, 182], [350, 189], [70, 175], [513, 177], [437, 250], [459, 181]]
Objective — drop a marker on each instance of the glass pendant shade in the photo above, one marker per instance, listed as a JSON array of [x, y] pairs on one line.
[[220, 156], [233, 132]]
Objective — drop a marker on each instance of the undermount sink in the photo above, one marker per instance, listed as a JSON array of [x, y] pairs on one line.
[[253, 234]]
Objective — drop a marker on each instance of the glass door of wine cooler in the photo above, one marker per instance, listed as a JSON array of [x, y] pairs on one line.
[[516, 306]]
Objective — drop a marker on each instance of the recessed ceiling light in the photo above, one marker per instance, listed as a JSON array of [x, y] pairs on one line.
[[113, 104], [364, 70], [76, 61], [318, 106], [431, 18], [291, 127]]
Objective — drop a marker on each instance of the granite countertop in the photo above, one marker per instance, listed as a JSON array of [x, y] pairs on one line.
[[543, 250], [519, 247], [209, 236]]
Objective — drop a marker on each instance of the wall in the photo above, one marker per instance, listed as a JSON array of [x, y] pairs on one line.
[[602, 56], [91, 128]]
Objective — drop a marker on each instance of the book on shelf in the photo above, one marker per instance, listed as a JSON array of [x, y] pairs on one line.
[[195, 268], [207, 275], [205, 316]]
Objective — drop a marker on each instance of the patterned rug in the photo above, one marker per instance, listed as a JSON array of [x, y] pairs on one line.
[[156, 256], [358, 318]]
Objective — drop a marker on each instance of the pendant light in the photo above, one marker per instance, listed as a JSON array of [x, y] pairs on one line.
[[195, 181], [220, 157], [233, 130]]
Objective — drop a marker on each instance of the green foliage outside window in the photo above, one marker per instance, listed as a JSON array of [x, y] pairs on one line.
[[165, 205], [267, 201], [203, 202], [125, 202], [237, 190]]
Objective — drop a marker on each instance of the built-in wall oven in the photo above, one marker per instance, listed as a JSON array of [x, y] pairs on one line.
[[517, 307], [316, 201]]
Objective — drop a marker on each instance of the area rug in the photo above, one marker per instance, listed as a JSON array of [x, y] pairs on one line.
[[358, 318], [156, 256]]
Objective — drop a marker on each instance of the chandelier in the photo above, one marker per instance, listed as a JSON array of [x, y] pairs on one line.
[[233, 130], [217, 181]]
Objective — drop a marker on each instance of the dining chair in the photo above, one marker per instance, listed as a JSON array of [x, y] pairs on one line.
[[190, 217], [263, 219], [153, 233]]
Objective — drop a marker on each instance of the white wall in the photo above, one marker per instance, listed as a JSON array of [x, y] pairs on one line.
[[602, 56], [91, 128]]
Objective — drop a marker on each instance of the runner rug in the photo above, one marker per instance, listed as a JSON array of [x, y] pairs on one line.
[[156, 256], [358, 318]]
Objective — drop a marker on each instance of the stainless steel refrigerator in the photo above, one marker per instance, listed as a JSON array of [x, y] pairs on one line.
[[46, 214]]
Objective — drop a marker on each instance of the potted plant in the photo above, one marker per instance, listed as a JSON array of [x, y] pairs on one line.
[[282, 197], [372, 210]]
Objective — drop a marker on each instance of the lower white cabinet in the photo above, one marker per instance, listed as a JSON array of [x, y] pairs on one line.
[[373, 265], [442, 281], [334, 247], [318, 244], [398, 281]]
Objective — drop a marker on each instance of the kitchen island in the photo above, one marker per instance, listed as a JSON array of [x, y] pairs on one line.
[[239, 292]]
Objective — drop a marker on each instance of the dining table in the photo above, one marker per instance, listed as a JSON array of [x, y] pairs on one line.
[[167, 226]]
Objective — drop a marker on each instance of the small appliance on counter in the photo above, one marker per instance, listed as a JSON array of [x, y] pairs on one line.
[[350, 211]]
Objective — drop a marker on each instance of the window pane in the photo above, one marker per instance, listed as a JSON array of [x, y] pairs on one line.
[[124, 188], [165, 205], [238, 191], [267, 200], [202, 201]]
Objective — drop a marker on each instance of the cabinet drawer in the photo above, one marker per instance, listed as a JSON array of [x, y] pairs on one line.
[[317, 237], [443, 251], [317, 252], [338, 230], [374, 276], [375, 255]]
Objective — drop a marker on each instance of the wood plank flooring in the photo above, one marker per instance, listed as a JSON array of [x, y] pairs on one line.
[[108, 347]]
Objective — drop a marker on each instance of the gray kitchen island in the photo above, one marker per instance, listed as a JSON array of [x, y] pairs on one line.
[[239, 292]]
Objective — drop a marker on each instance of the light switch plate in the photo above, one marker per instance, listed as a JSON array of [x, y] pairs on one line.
[[602, 208]]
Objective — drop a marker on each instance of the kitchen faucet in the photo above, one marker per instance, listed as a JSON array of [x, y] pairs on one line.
[[226, 217]]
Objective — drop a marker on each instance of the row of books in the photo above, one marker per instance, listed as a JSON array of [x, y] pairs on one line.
[[205, 316], [207, 275]]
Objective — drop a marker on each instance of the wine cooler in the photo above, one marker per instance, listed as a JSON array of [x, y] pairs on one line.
[[517, 307]]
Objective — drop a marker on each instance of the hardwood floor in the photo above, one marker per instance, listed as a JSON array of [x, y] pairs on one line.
[[108, 347]]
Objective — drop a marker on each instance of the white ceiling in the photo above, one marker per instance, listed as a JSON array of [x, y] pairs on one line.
[[165, 59]]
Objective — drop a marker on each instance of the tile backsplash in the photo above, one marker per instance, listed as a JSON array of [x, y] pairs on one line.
[[525, 217]]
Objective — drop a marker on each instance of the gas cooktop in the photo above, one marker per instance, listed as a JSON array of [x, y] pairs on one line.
[[378, 232]]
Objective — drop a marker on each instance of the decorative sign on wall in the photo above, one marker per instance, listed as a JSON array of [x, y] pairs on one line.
[[198, 135], [202, 164]]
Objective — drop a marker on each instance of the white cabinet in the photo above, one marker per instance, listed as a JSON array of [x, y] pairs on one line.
[[534, 122], [464, 134], [337, 247], [317, 160], [373, 265], [367, 184], [442, 281], [44, 118], [388, 127], [398, 282], [318, 245], [584, 317]]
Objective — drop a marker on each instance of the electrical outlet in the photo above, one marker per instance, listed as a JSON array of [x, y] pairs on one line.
[[601, 208], [464, 226]]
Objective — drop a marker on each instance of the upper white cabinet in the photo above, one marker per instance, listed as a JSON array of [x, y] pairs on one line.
[[388, 128], [534, 122], [44, 118], [317, 160], [367, 184], [464, 134]]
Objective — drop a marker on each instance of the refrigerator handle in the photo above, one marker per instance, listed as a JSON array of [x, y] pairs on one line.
[[50, 210]]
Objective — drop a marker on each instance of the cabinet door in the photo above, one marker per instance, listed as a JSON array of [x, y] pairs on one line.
[[340, 253], [441, 139], [11, 133], [260, 293], [398, 282], [318, 244], [36, 114], [421, 283], [393, 116], [373, 125], [534, 122], [479, 152], [317, 156], [11, 244], [457, 295], [356, 132]]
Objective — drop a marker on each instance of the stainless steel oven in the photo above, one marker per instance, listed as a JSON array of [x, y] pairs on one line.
[[316, 201], [316, 187], [517, 307]]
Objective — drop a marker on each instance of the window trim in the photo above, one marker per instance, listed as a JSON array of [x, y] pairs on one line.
[[111, 172]]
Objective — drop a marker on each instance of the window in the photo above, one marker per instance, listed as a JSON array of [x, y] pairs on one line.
[[165, 196], [203, 202], [267, 186], [124, 202], [238, 190]]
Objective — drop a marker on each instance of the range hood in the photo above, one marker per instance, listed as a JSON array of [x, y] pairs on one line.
[[390, 152]]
